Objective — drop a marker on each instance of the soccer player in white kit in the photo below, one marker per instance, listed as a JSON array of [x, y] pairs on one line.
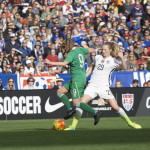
[[99, 83]]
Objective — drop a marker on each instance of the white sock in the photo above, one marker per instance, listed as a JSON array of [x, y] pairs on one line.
[[78, 113], [124, 115]]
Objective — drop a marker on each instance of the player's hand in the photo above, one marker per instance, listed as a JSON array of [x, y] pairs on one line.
[[47, 62], [120, 54]]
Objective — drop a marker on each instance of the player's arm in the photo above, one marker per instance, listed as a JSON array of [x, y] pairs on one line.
[[123, 63], [58, 70], [90, 69], [56, 63], [91, 50]]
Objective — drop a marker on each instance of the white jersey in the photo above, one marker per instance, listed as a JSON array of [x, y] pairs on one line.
[[102, 70]]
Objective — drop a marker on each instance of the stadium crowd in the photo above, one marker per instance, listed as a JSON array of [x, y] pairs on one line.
[[33, 30]]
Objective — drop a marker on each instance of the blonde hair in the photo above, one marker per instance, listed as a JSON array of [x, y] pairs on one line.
[[112, 45], [134, 61], [13, 86]]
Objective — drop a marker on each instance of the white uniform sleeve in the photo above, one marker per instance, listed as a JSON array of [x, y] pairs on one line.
[[116, 62]]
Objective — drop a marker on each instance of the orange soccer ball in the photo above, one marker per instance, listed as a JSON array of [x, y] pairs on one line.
[[59, 125]]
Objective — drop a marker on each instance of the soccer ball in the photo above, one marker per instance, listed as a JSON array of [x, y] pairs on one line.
[[59, 125]]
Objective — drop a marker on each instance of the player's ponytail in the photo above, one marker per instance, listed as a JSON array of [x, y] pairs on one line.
[[112, 45], [114, 49]]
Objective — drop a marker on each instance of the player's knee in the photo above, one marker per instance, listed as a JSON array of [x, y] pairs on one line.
[[60, 95], [116, 108], [78, 104], [59, 91], [74, 102]]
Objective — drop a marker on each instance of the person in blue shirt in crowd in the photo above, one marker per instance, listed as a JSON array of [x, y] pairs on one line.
[[24, 49], [10, 84]]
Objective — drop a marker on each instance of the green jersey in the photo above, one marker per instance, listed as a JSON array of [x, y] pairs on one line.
[[75, 58]]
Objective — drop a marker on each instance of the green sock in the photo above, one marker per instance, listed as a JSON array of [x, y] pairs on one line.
[[87, 108], [64, 99]]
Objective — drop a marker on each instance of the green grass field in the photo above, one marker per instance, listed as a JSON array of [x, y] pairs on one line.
[[109, 134]]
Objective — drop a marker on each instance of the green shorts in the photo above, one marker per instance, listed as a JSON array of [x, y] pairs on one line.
[[75, 88]]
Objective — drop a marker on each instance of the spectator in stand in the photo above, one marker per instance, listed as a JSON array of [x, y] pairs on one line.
[[15, 60], [62, 20], [139, 48], [137, 13], [47, 49], [1, 57], [131, 62], [3, 65], [127, 6], [142, 67], [118, 84], [27, 38], [54, 58], [10, 84], [147, 40], [58, 85], [32, 61], [145, 52], [36, 8], [148, 83], [24, 49], [146, 16], [7, 70], [135, 83], [145, 84], [11, 55], [30, 84], [21, 69], [17, 68], [28, 68], [2, 41], [1, 85], [38, 50], [12, 43], [21, 36], [131, 51], [69, 43]]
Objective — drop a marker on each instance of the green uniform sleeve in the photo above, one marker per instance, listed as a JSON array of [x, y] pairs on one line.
[[84, 50], [70, 57]]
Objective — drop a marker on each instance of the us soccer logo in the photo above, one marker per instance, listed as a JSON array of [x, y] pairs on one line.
[[127, 101]]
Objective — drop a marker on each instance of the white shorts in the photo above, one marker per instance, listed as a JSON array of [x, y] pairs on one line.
[[102, 92]]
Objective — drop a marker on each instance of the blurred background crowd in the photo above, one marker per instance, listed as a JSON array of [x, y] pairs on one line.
[[33, 30]]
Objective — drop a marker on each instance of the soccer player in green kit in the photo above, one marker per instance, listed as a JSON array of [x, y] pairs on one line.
[[75, 59]]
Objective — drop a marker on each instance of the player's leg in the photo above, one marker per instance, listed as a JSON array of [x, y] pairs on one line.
[[77, 91], [65, 100], [84, 106], [76, 116], [61, 93], [114, 105]]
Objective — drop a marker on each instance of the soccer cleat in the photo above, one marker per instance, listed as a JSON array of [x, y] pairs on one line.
[[69, 113], [97, 117], [135, 126], [69, 128]]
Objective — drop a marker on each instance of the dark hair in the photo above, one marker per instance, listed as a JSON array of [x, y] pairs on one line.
[[30, 79], [135, 81]]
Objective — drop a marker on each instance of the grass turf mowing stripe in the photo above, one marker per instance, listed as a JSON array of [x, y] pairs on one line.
[[109, 134]]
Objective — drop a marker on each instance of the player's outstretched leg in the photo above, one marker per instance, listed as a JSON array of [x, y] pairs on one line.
[[87, 108], [76, 118], [126, 118], [114, 105], [65, 100]]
